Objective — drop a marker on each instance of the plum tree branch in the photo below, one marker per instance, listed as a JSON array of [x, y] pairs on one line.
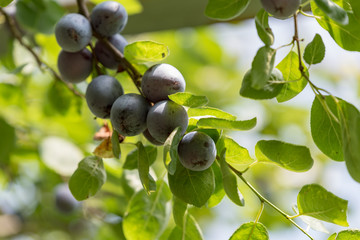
[[18, 36], [264, 200], [129, 68]]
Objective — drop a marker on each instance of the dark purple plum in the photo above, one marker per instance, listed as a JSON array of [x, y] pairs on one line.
[[160, 81], [75, 67], [108, 18], [73, 32], [105, 55], [64, 200], [128, 114], [197, 151], [164, 117], [281, 9], [151, 139], [101, 93]]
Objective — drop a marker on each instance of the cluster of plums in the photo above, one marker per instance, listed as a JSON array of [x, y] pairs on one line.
[[152, 113]]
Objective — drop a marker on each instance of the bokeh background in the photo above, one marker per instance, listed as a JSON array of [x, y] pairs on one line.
[[45, 130]]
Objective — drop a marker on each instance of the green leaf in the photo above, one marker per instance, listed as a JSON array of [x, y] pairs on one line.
[[272, 88], [219, 192], [131, 161], [193, 187], [250, 231], [145, 51], [230, 182], [225, 9], [355, 7], [225, 124], [4, 3], [315, 201], [262, 66], [289, 156], [289, 67], [315, 51], [60, 98], [350, 127], [333, 11], [170, 154], [350, 234], [237, 156], [346, 36], [143, 165], [188, 99], [116, 144], [39, 16], [190, 230], [209, 112], [263, 29], [179, 211], [88, 178], [325, 130], [147, 216], [7, 140]]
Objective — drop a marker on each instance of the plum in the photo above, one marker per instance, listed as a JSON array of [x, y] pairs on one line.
[[101, 94], [64, 200], [75, 67], [105, 55], [161, 80], [150, 138], [164, 117], [73, 32], [197, 151], [108, 18], [281, 9], [128, 114]]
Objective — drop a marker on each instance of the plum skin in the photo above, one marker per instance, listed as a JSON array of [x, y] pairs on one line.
[[197, 151], [105, 56], [73, 32], [75, 67], [101, 93], [108, 18], [128, 114], [160, 81], [281, 9], [64, 200], [151, 139], [164, 117]]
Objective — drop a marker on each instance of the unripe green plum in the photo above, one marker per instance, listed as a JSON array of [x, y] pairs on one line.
[[105, 55], [101, 93], [281, 9], [64, 200], [128, 114], [164, 117], [73, 32], [75, 67], [108, 18], [160, 81], [197, 151]]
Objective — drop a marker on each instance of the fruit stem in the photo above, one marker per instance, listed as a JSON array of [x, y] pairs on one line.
[[18, 36], [264, 200]]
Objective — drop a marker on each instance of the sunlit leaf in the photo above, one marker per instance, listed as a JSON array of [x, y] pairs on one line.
[[333, 11], [209, 112], [349, 234], [263, 29], [179, 211], [88, 178], [225, 124], [190, 230], [289, 156], [131, 161], [219, 191], [262, 66], [315, 201], [145, 51], [225, 9], [315, 51], [188, 99], [250, 231]]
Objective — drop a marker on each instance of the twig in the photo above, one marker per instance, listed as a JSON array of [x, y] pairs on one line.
[[264, 200], [16, 33]]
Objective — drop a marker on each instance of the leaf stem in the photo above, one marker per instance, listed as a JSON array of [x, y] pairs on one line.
[[264, 200], [260, 212], [18, 36]]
